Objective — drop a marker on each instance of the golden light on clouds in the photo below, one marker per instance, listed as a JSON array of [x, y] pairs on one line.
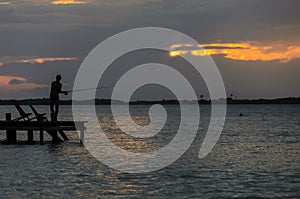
[[47, 59], [176, 53], [33, 60], [5, 3], [67, 2], [243, 51]]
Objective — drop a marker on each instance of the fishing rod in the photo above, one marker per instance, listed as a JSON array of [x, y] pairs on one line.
[[88, 89]]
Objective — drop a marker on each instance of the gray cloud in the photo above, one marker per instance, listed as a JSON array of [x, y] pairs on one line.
[[37, 28], [16, 81]]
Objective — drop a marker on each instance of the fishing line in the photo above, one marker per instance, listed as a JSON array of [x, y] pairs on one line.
[[87, 89]]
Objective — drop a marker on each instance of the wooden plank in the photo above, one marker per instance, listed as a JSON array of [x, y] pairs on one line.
[[63, 135], [50, 127], [30, 136], [41, 124], [67, 128], [53, 134], [41, 137], [82, 136]]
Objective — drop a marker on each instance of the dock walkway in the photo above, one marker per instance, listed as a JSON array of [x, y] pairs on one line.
[[51, 127]]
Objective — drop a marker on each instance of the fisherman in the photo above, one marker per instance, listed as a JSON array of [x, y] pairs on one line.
[[56, 87]]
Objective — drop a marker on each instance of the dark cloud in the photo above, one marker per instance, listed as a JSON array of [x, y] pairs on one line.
[[37, 28], [16, 81]]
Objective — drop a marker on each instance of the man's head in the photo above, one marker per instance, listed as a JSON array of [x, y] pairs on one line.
[[58, 78]]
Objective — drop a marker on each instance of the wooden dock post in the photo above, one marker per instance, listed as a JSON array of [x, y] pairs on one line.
[[30, 136], [12, 126], [11, 135], [54, 134], [41, 137], [82, 135]]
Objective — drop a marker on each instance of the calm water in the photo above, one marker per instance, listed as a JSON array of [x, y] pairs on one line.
[[258, 155]]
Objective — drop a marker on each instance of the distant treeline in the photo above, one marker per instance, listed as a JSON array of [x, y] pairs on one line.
[[44, 101]]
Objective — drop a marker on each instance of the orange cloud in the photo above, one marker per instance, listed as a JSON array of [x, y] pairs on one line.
[[17, 83], [67, 2], [245, 51], [5, 80], [47, 59], [5, 3], [33, 60]]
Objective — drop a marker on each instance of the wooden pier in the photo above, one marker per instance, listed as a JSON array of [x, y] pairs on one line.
[[41, 127]]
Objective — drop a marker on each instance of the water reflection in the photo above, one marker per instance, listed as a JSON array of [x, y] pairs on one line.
[[256, 156]]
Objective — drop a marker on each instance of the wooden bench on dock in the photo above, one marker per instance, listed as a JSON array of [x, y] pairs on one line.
[[11, 128]]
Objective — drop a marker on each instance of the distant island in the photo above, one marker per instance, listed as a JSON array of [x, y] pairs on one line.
[[45, 101]]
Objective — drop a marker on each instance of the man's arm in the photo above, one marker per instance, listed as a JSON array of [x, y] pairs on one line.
[[60, 91]]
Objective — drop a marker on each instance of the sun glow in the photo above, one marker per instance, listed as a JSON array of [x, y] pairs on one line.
[[67, 2], [244, 51]]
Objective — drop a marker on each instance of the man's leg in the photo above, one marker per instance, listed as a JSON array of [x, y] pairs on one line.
[[56, 111], [52, 110], [54, 114]]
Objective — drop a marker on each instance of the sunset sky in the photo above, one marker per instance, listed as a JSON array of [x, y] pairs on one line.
[[255, 44]]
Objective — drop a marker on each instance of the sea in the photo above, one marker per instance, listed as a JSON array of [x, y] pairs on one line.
[[257, 156]]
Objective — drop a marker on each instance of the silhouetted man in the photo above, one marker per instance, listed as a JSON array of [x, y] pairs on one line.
[[56, 87]]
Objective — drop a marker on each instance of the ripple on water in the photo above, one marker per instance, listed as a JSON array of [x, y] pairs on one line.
[[256, 156]]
